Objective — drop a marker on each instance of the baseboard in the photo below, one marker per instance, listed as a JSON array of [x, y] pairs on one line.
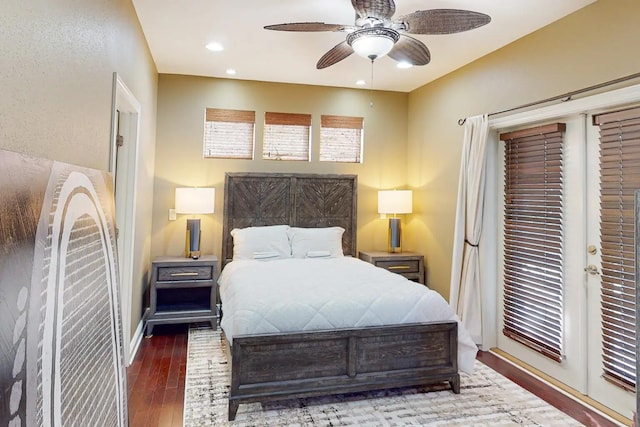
[[563, 388], [136, 339]]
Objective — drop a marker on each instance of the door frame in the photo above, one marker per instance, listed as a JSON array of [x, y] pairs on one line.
[[125, 115]]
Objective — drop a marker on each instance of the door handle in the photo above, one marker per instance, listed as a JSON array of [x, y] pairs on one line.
[[592, 269]]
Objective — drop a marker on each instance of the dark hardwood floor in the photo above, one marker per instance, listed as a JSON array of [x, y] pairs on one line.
[[155, 379], [554, 397], [156, 382]]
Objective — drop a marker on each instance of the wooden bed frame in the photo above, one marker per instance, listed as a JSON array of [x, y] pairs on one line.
[[269, 367]]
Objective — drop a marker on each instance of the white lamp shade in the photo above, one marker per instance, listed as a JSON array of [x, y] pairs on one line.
[[372, 46], [395, 201], [195, 200]]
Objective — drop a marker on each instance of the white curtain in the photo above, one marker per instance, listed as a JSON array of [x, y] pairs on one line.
[[465, 295]]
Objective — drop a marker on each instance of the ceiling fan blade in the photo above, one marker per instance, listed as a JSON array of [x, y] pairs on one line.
[[408, 49], [307, 26], [334, 55], [381, 9], [443, 21]]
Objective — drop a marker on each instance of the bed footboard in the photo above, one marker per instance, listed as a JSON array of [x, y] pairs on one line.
[[291, 365]]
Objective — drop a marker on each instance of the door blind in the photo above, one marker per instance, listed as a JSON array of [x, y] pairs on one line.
[[619, 178], [533, 239]]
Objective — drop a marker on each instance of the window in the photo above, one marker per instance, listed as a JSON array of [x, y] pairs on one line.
[[287, 136], [229, 134], [619, 178], [341, 139], [533, 241]]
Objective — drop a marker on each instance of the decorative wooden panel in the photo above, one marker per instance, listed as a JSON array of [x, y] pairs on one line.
[[288, 365], [299, 200], [327, 202]]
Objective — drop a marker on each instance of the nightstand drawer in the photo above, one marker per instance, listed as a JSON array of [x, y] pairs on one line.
[[407, 264], [175, 274], [404, 266]]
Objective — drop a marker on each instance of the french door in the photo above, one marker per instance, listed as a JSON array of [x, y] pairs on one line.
[[579, 362], [613, 149]]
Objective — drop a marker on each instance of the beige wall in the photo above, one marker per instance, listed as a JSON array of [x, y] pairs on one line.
[[58, 60], [596, 44], [179, 162]]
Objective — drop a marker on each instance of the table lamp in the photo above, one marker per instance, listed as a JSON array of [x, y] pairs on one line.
[[395, 202], [194, 201]]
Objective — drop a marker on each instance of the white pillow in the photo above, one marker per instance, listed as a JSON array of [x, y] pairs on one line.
[[268, 242], [316, 242]]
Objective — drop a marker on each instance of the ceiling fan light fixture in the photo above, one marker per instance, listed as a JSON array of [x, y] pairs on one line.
[[373, 42]]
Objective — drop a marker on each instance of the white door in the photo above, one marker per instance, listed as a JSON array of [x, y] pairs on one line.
[[581, 364], [598, 388], [571, 369]]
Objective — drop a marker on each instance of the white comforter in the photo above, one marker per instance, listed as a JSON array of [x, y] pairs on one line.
[[292, 295]]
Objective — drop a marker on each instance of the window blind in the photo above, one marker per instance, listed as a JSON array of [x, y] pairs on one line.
[[287, 136], [229, 134], [619, 178], [341, 139], [533, 243]]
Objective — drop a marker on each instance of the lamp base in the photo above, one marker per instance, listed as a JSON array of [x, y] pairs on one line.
[[192, 242], [394, 235]]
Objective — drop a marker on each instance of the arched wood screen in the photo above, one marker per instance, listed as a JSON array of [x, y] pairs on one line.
[[299, 200]]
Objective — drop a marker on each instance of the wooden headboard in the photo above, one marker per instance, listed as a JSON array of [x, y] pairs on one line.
[[299, 200]]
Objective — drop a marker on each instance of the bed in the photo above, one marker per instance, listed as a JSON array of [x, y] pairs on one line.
[[319, 357]]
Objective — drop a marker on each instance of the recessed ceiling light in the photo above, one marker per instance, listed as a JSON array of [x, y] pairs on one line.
[[231, 71], [404, 65], [215, 47], [361, 82]]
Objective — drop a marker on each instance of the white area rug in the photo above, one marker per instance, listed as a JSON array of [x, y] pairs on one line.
[[486, 399]]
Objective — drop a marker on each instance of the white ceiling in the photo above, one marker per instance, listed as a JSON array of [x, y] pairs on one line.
[[177, 32]]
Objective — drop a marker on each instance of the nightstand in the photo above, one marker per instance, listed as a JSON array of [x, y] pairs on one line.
[[408, 264], [183, 290]]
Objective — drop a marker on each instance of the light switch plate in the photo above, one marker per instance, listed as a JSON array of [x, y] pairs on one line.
[[172, 214]]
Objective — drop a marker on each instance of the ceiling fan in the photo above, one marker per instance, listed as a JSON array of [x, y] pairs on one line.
[[375, 34]]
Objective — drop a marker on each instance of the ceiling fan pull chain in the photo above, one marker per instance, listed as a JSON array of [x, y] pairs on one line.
[[371, 85]]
